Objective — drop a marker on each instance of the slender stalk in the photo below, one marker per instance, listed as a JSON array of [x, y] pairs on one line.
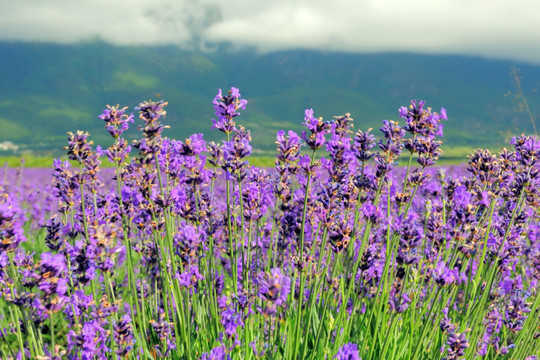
[[517, 81], [53, 342], [301, 259]]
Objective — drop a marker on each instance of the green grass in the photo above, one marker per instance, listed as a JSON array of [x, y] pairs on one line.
[[454, 156], [31, 161]]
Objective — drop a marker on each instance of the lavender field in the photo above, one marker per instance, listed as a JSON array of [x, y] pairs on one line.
[[356, 245]]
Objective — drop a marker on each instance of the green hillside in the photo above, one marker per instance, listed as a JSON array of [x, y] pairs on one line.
[[47, 90]]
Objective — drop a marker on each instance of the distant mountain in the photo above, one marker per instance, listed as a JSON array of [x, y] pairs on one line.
[[47, 90]]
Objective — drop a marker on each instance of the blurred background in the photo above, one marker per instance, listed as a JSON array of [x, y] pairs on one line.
[[62, 61]]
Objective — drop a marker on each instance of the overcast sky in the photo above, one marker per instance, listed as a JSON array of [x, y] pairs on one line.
[[505, 29]]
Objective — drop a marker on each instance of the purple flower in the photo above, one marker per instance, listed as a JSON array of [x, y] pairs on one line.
[[399, 303], [216, 155], [123, 335], [79, 148], [52, 267], [515, 313], [256, 195], [83, 269], [274, 287], [484, 165], [52, 239], [444, 276], [527, 150], [340, 234], [226, 108], [90, 341], [165, 333], [49, 275], [318, 129], [392, 132], [427, 149], [421, 121], [231, 320], [117, 152], [304, 162], [116, 120], [186, 243], [446, 324], [103, 247], [11, 224], [190, 277], [4, 261], [411, 235], [342, 159], [457, 343], [371, 213], [235, 151], [288, 150], [217, 353], [348, 351], [150, 112], [80, 303], [184, 202], [493, 324], [363, 143], [194, 145], [65, 185]]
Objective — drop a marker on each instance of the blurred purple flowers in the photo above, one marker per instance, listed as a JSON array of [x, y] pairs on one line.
[[11, 224]]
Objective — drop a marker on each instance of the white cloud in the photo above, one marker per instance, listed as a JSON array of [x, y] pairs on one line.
[[490, 28]]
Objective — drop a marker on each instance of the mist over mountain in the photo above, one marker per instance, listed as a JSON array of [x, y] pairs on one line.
[[47, 90]]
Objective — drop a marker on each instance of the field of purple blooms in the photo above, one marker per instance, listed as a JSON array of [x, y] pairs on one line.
[[183, 250]]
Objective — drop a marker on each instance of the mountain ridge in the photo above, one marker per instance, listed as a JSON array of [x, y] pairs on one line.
[[49, 89]]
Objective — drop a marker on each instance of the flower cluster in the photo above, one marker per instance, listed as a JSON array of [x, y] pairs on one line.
[[186, 251]]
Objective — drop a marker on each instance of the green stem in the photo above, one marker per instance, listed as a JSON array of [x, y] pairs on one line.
[[302, 273], [53, 343], [425, 327]]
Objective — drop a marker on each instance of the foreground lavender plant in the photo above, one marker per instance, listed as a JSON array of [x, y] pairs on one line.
[[188, 252]]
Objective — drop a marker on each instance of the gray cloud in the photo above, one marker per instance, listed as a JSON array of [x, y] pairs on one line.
[[490, 28]]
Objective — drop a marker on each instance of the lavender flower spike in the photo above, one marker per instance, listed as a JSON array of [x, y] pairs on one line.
[[226, 108], [116, 121]]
